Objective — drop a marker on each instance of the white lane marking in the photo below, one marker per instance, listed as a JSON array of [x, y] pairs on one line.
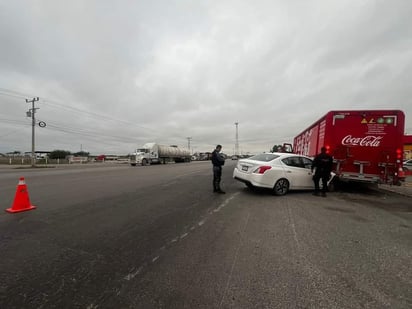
[[187, 174], [131, 275], [225, 202], [174, 181], [234, 261], [169, 183], [292, 225]]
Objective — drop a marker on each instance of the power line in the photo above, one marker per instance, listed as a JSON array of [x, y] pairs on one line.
[[9, 133], [16, 93], [73, 130], [82, 132], [92, 114], [19, 95], [12, 95], [13, 121]]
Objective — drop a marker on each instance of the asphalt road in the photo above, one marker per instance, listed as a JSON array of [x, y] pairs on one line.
[[157, 237]]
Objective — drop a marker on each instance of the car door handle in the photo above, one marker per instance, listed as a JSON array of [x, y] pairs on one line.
[[288, 171]]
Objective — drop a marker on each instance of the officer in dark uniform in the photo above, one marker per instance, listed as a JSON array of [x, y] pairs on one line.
[[218, 161], [322, 164]]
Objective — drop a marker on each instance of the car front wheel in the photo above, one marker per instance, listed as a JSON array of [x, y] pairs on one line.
[[281, 187]]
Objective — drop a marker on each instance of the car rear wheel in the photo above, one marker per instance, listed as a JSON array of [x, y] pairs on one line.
[[281, 187]]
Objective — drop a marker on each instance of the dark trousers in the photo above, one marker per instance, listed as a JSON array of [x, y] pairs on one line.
[[317, 178], [217, 175]]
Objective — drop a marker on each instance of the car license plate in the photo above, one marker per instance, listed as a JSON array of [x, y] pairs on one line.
[[244, 168]]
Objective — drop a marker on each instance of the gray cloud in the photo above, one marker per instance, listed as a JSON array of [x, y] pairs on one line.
[[112, 76]]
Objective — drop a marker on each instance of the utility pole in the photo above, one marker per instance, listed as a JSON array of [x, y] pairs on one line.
[[31, 113], [237, 140], [188, 142]]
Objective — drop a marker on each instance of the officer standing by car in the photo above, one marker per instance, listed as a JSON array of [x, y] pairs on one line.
[[218, 161], [322, 164]]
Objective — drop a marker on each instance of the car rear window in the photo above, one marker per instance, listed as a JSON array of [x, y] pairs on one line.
[[266, 157]]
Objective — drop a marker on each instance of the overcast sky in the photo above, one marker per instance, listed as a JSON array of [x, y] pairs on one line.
[[113, 75]]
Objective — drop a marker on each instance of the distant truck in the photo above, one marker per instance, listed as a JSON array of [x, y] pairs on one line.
[[152, 153], [366, 145], [103, 158]]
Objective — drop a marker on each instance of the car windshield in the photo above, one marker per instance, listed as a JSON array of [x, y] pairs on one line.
[[266, 157]]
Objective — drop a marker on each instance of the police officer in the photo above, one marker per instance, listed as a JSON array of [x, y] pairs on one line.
[[322, 164], [218, 161]]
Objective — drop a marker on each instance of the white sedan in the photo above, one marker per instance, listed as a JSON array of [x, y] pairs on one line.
[[280, 172], [407, 165]]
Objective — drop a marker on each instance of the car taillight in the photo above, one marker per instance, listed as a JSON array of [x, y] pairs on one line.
[[262, 169]]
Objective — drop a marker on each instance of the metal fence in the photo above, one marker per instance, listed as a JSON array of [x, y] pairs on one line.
[[24, 160], [27, 161]]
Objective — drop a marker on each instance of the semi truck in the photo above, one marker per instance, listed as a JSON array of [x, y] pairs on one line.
[[366, 145], [152, 153]]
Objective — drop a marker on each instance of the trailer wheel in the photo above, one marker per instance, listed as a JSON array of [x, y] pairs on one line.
[[281, 187], [133, 164]]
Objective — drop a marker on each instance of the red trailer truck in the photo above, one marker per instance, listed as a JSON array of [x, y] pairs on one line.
[[366, 145]]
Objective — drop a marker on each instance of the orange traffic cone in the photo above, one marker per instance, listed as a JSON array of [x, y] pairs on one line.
[[21, 199]]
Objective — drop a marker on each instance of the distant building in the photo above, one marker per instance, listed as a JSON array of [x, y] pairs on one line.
[[407, 147], [39, 154], [74, 159], [107, 158], [14, 154]]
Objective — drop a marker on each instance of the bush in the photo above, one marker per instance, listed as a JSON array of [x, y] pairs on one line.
[[59, 154]]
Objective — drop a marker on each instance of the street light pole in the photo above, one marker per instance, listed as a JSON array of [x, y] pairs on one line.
[[188, 142], [237, 140], [33, 125]]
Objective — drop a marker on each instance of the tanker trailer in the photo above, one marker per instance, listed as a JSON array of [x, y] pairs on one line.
[[152, 153]]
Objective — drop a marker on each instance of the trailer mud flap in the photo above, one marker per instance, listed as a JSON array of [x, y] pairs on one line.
[[331, 182]]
